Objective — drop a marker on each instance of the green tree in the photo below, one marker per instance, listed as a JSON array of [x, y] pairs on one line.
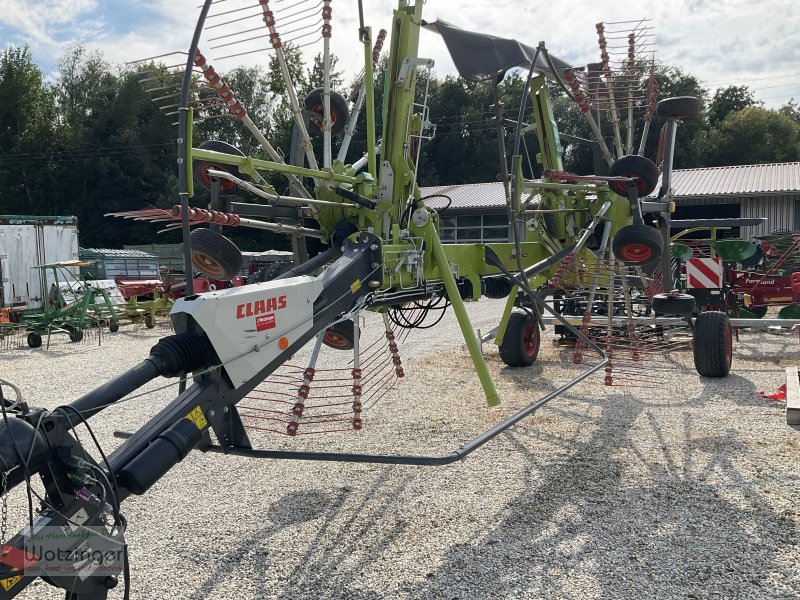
[[85, 87], [754, 135], [729, 100], [791, 110], [28, 136]]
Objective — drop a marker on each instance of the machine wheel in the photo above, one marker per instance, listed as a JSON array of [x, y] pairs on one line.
[[149, 321], [637, 245], [340, 336], [34, 339], [642, 169], [214, 255], [713, 344], [339, 111], [75, 333], [673, 303], [521, 342], [680, 107], [226, 188], [113, 326]]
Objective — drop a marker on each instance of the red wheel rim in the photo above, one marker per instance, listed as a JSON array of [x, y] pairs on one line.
[[622, 189], [530, 339], [336, 340], [225, 184], [320, 110], [208, 265], [637, 252]]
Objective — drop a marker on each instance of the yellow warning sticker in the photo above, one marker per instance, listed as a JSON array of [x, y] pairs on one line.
[[10, 582], [197, 417], [355, 286]]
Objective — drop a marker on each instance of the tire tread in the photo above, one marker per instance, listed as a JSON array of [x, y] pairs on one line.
[[710, 332]]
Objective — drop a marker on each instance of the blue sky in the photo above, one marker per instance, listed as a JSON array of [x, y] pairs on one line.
[[724, 42]]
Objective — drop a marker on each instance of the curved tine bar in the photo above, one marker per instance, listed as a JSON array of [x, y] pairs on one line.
[[275, 39]]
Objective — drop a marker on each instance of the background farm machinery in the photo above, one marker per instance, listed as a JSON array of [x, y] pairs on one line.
[[586, 239], [742, 278], [80, 308], [72, 307]]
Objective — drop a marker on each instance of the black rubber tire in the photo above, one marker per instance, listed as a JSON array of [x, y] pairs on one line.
[[34, 340], [75, 333], [149, 321], [521, 342], [340, 111], [340, 336], [214, 255], [113, 326], [200, 168], [638, 245], [679, 107], [681, 305], [642, 169], [713, 344]]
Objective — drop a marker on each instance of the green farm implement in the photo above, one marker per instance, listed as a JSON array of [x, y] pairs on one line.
[[72, 307]]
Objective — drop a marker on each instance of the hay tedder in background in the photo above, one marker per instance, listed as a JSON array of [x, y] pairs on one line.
[[595, 243]]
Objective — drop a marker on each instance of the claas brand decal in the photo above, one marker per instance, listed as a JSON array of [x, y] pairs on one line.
[[262, 310]]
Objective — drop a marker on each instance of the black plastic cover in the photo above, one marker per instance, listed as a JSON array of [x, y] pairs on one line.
[[479, 56]]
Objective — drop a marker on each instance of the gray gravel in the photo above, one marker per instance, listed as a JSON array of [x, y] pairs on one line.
[[689, 487]]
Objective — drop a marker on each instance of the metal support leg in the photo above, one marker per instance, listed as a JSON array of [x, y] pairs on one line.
[[463, 320]]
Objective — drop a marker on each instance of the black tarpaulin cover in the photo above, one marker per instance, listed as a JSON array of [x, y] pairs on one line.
[[480, 56]]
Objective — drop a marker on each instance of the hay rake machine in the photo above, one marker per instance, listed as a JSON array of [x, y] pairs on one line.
[[384, 256]]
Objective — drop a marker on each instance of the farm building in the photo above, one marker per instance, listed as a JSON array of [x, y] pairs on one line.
[[476, 212], [770, 191]]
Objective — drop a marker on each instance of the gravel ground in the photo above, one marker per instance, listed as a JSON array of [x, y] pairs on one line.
[[685, 487]]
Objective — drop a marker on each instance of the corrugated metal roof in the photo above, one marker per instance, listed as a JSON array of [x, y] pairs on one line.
[[758, 180], [468, 195], [34, 219], [114, 253]]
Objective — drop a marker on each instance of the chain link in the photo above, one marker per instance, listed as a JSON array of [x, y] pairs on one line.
[[4, 508]]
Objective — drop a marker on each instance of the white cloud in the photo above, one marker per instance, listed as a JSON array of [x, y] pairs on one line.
[[37, 23], [725, 41]]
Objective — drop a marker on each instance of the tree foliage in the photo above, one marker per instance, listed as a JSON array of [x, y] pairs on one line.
[[751, 136], [729, 100]]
